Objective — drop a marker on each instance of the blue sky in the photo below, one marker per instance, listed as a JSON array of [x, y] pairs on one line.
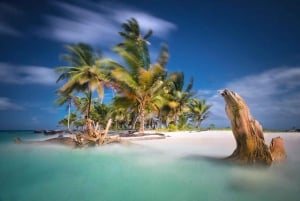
[[251, 47]]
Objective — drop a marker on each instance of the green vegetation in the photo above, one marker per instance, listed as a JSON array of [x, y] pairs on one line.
[[146, 95], [83, 75]]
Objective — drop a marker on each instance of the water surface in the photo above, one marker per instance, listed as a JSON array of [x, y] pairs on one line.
[[135, 173]]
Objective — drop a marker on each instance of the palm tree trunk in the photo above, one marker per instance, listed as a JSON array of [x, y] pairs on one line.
[[142, 118], [134, 122], [199, 123], [89, 103], [142, 121], [175, 119], [69, 114]]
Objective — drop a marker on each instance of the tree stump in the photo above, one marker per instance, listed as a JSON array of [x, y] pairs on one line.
[[277, 150], [248, 134]]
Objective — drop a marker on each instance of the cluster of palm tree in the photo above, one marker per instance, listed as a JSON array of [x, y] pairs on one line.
[[145, 94]]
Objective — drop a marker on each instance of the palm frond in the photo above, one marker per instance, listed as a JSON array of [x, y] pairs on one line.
[[132, 61], [163, 57], [148, 34], [124, 78], [190, 85]]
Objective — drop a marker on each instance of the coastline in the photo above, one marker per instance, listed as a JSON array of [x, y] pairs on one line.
[[209, 143], [184, 160], [212, 143]]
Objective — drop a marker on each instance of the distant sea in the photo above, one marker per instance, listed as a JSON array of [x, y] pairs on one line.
[[118, 173]]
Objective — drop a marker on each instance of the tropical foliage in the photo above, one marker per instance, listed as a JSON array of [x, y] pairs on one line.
[[146, 94], [84, 73], [138, 82], [199, 111], [176, 98]]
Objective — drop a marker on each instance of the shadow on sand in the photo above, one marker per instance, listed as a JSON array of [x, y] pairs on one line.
[[226, 161]]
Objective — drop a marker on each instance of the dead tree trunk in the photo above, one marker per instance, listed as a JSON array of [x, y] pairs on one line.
[[93, 135], [277, 150], [251, 147]]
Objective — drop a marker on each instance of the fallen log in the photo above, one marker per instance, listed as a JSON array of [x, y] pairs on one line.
[[248, 134], [90, 137]]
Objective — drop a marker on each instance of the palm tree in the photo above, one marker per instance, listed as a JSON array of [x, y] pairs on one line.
[[100, 112], [125, 112], [84, 104], [84, 72], [138, 81], [135, 42], [176, 97], [63, 99], [72, 117], [199, 111]]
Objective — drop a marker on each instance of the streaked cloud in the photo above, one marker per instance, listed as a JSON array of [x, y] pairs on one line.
[[97, 23], [7, 30], [7, 14], [7, 104], [26, 74], [205, 93], [146, 21], [273, 97]]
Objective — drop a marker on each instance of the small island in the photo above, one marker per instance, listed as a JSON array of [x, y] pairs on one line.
[[145, 92]]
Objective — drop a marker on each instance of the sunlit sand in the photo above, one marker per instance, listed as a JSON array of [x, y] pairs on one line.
[[209, 143]]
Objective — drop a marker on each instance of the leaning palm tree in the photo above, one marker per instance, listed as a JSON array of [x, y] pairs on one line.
[[84, 72], [138, 81], [199, 111]]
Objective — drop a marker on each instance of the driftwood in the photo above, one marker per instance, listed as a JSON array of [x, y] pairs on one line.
[[90, 137], [93, 135], [248, 133], [277, 150], [58, 140]]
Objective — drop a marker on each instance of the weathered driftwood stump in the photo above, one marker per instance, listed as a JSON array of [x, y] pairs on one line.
[[251, 147], [277, 149]]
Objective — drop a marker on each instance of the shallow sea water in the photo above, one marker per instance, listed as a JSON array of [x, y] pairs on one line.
[[117, 172]]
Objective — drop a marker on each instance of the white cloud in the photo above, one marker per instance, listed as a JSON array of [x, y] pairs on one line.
[[6, 104], [272, 96], [98, 23], [8, 13], [26, 74], [270, 83], [146, 21], [81, 25], [205, 93]]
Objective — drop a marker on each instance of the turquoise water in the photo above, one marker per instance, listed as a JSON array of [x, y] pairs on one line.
[[116, 172]]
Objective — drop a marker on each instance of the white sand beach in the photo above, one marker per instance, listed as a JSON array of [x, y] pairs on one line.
[[210, 143]]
